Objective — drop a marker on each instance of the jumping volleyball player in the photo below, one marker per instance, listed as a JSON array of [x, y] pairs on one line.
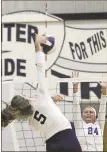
[[89, 126], [42, 113]]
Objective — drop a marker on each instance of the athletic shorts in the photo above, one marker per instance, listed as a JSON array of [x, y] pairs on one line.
[[63, 141]]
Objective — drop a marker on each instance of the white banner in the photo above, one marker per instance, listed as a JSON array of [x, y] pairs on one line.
[[18, 57], [83, 50], [18, 31]]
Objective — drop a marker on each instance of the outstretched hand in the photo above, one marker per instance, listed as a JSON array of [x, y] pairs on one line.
[[38, 40], [103, 88], [57, 98], [75, 74]]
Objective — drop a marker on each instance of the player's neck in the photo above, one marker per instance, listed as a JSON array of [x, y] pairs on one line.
[[87, 122]]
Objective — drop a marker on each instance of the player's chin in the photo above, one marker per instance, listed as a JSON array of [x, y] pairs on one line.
[[88, 120]]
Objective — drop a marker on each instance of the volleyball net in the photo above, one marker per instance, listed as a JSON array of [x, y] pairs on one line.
[[24, 139]]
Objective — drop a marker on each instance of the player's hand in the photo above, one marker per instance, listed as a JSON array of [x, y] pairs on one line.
[[75, 75], [57, 98], [38, 40], [103, 88]]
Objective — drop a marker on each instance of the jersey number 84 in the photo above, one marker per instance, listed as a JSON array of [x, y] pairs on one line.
[[92, 130]]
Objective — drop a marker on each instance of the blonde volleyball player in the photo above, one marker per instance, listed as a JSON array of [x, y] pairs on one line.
[[89, 126], [42, 113]]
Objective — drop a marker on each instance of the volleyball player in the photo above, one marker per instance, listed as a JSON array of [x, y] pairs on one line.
[[42, 113], [89, 126]]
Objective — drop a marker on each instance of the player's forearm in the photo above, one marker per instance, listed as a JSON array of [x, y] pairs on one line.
[[38, 43], [76, 110], [76, 98], [102, 111], [75, 88], [103, 103], [102, 108], [40, 63], [37, 47], [76, 103]]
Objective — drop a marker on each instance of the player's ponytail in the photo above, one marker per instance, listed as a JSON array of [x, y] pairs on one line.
[[19, 108], [6, 116]]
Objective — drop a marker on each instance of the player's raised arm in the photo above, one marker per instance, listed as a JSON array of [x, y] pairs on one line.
[[40, 64], [76, 102], [102, 108]]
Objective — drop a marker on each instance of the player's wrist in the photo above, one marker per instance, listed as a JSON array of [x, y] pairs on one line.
[[38, 48], [104, 91], [75, 87], [37, 43], [103, 88]]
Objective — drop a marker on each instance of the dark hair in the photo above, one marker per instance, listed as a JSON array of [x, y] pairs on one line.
[[6, 116], [20, 108]]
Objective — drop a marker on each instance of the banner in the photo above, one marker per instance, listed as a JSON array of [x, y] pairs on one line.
[[18, 52], [77, 49], [84, 50], [18, 32]]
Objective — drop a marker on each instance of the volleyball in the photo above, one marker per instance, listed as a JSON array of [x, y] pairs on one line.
[[49, 46]]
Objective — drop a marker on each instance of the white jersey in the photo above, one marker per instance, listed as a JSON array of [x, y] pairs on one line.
[[47, 116], [89, 135]]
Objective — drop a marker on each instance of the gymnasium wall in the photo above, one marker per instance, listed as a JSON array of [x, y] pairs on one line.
[[77, 6], [70, 25]]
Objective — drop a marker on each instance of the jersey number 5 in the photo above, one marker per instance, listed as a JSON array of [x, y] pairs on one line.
[[40, 117], [91, 130]]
